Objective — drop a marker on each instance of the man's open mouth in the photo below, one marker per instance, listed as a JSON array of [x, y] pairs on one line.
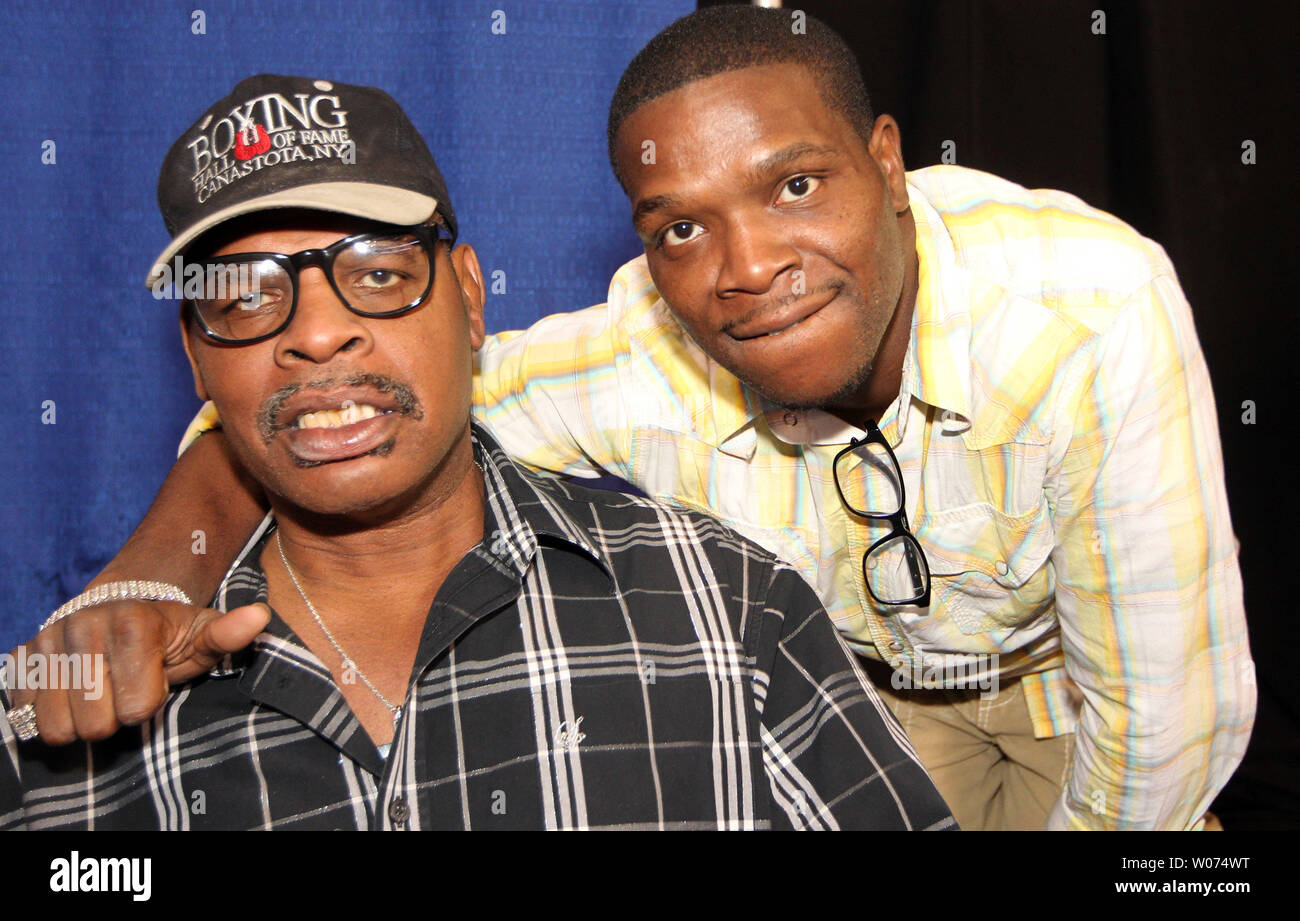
[[327, 435], [337, 418]]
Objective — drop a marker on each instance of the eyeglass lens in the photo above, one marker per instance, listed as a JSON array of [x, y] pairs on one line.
[[249, 298], [894, 571], [870, 480]]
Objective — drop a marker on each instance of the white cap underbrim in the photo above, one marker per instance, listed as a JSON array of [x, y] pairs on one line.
[[359, 199]]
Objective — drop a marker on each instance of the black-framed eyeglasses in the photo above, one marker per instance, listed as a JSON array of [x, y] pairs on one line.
[[894, 567], [248, 297]]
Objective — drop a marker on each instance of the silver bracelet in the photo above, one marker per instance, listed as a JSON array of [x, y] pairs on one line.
[[119, 591]]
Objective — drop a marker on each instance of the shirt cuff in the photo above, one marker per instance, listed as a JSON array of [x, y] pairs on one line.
[[207, 420], [1051, 697]]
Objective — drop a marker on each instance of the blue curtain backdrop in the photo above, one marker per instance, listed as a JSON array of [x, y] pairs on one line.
[[97, 387]]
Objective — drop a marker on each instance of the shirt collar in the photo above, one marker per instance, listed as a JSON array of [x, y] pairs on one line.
[[941, 323], [520, 509], [517, 511]]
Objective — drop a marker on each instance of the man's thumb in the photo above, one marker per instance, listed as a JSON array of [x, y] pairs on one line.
[[236, 628], [221, 634]]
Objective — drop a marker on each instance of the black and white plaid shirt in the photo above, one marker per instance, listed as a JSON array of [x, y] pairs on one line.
[[598, 661]]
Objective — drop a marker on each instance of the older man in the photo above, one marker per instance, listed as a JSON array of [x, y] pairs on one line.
[[452, 643], [975, 416]]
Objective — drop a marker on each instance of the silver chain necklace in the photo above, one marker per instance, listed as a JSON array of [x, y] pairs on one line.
[[347, 660]]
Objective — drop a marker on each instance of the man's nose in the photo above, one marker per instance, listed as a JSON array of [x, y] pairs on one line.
[[322, 325], [753, 255]]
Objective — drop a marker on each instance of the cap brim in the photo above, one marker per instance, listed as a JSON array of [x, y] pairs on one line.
[[359, 199]]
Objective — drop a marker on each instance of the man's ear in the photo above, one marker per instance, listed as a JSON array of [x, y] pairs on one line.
[[886, 148], [469, 276], [187, 331]]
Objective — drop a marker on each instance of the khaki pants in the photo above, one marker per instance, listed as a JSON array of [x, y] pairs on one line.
[[982, 754]]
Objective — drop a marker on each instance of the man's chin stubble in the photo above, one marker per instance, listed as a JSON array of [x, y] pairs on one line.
[[839, 397], [849, 388]]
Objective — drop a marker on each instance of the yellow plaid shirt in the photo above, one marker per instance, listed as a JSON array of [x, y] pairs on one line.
[[1060, 452]]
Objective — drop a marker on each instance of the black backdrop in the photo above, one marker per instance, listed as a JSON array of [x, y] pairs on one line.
[[1147, 121]]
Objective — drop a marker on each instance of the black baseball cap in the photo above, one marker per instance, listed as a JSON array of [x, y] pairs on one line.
[[298, 142]]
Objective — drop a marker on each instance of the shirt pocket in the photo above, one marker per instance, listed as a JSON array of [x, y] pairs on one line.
[[989, 571]]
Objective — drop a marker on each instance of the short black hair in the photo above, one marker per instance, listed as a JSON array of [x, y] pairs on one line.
[[718, 39]]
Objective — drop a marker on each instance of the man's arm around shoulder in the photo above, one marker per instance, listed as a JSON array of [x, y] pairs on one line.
[[206, 502]]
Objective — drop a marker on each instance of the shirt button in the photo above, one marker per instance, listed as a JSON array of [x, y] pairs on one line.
[[1001, 567], [871, 562], [398, 811], [791, 419], [896, 646]]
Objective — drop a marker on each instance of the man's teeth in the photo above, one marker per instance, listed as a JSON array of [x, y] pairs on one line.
[[336, 418]]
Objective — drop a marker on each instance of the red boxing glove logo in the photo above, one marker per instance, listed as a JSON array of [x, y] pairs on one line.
[[258, 143]]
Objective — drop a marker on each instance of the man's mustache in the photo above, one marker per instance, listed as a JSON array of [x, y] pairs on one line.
[[407, 402]]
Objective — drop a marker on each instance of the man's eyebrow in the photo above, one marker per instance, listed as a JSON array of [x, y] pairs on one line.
[[655, 203], [784, 157]]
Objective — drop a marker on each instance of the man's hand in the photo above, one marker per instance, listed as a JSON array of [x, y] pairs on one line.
[[146, 646]]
